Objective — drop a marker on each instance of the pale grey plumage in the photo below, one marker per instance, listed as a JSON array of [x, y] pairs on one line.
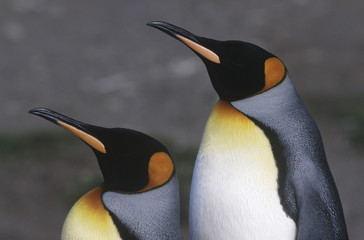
[[306, 186], [153, 214]]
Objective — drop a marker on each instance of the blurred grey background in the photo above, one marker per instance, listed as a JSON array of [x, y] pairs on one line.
[[98, 62]]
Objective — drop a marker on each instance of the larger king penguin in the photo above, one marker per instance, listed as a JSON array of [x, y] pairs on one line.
[[261, 171], [139, 198]]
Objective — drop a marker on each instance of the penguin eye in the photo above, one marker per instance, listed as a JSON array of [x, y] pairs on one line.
[[274, 71]]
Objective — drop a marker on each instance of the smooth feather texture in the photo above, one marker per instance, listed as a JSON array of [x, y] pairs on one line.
[[153, 214], [306, 187], [234, 192]]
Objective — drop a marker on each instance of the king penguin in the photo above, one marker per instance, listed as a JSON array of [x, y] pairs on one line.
[[261, 170], [139, 198]]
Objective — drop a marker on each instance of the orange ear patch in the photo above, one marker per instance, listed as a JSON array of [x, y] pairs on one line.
[[160, 170], [274, 71]]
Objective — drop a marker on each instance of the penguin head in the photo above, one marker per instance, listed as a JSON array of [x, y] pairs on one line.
[[130, 161], [237, 69]]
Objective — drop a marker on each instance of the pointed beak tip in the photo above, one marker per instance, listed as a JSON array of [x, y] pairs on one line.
[[162, 26], [38, 110], [151, 24], [76, 127], [156, 23], [34, 110], [47, 114]]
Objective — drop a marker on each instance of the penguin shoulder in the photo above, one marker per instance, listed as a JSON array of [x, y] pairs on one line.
[[88, 219]]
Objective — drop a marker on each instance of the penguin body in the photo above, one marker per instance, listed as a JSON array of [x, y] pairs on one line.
[[234, 183], [139, 198], [261, 170]]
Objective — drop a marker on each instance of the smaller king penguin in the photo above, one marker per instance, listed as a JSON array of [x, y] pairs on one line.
[[261, 170], [139, 198]]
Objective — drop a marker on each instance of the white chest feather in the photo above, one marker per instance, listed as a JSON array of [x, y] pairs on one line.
[[234, 192]]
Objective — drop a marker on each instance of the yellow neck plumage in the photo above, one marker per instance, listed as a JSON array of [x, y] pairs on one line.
[[88, 219]]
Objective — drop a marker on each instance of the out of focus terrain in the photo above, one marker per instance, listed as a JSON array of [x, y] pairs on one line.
[[96, 61]]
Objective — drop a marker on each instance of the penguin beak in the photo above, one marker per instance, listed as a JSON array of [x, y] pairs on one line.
[[192, 41], [78, 128]]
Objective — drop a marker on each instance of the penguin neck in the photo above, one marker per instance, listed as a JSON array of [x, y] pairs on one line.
[[281, 111], [225, 125], [278, 104], [154, 214], [232, 136]]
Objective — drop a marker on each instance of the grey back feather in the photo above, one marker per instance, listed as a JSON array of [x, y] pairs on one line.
[[306, 187], [154, 214]]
